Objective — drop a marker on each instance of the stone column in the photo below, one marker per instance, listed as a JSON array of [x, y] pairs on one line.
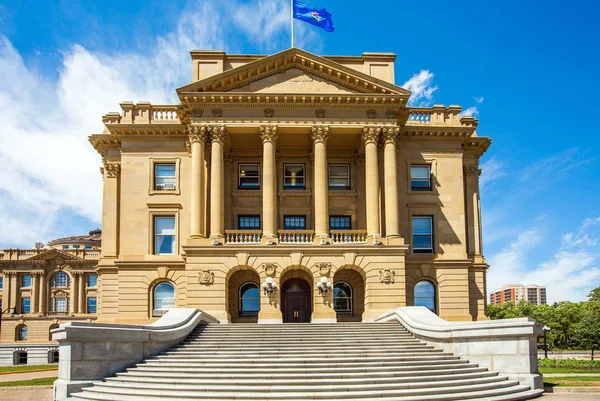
[[197, 138], [34, 292], [14, 290], [81, 293], [320, 134], [371, 137], [8, 290], [110, 209], [217, 176], [471, 173], [392, 226], [42, 300], [75, 292], [268, 134]]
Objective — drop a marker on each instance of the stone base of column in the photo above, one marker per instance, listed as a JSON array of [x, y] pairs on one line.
[[394, 240], [196, 241], [375, 239], [269, 239], [322, 239]]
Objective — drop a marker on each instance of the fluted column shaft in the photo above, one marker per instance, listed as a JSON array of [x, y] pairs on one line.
[[390, 136], [319, 136], [268, 134], [197, 138], [42, 300], [217, 178], [371, 137], [81, 293]]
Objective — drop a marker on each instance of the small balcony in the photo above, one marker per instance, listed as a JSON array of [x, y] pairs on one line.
[[305, 237]]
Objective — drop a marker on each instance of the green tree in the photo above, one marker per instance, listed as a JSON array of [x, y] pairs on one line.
[[594, 295], [587, 332]]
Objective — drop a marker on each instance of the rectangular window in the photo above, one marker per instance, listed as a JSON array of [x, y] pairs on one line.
[[164, 177], [293, 176], [65, 246], [249, 222], [294, 222], [88, 247], [76, 246], [25, 305], [0, 284], [340, 222], [422, 231], [60, 304], [339, 176], [420, 178], [91, 305], [249, 176], [26, 280], [164, 235], [92, 280]]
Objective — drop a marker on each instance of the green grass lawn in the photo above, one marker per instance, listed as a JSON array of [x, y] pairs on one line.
[[26, 368], [46, 381], [572, 381], [567, 370]]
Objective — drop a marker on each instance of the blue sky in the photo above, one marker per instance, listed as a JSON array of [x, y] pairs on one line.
[[527, 70]]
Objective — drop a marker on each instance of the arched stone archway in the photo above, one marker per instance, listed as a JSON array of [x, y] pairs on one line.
[[234, 283], [357, 303], [296, 295]]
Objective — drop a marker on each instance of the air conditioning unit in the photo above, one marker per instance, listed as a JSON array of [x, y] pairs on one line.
[[159, 312], [160, 187], [169, 186]]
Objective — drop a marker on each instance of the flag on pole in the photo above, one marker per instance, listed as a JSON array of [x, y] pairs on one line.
[[315, 16]]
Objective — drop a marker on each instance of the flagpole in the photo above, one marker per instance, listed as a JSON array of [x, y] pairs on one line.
[[292, 20]]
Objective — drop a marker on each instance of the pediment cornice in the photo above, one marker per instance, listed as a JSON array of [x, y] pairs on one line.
[[278, 63]]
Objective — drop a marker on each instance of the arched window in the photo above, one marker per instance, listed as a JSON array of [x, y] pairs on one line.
[[21, 332], [342, 297], [60, 280], [425, 295], [164, 298], [54, 326], [249, 299]]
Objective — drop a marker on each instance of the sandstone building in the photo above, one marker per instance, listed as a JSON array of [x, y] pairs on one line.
[[282, 188]]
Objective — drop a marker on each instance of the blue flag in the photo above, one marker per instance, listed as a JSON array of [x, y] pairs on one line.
[[315, 16]]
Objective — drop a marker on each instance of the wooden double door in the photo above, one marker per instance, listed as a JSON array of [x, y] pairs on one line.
[[296, 305]]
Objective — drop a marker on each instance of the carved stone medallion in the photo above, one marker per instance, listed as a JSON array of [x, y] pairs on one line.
[[390, 114], [324, 268], [206, 277], [371, 114], [387, 276], [217, 113], [197, 113], [320, 113], [269, 113], [270, 269]]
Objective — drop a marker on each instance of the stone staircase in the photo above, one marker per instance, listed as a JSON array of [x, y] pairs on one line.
[[360, 361]]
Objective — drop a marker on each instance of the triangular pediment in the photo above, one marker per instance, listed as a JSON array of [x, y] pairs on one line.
[[53, 254], [294, 71]]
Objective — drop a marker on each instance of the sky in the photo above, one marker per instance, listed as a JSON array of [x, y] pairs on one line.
[[526, 70]]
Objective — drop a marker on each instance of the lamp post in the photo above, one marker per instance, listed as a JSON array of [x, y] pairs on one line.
[[269, 286], [546, 329], [324, 286]]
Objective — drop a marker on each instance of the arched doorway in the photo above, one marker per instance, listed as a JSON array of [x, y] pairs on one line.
[[296, 305]]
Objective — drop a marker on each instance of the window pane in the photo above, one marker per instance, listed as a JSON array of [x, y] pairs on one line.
[[338, 170], [26, 281], [164, 225], [339, 222], [91, 305], [293, 175], [294, 222], [23, 336], [420, 172], [88, 247], [429, 303], [424, 289], [341, 304], [65, 246], [249, 222], [165, 170], [164, 296], [165, 244], [61, 304], [422, 242], [421, 225], [76, 246], [249, 176], [25, 305], [1, 282], [92, 280]]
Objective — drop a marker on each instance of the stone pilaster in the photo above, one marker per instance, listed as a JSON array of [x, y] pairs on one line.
[[392, 228], [42, 299], [197, 138], [34, 292], [75, 292], [81, 293], [110, 209], [268, 134], [14, 290], [320, 134], [9, 289], [471, 173], [217, 177], [370, 137]]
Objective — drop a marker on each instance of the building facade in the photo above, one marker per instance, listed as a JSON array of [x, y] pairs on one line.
[[282, 188], [515, 293]]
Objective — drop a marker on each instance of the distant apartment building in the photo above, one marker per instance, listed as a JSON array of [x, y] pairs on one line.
[[534, 294]]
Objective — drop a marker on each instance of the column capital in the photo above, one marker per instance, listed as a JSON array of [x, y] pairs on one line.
[[198, 133], [390, 134], [38, 272], [218, 133], [472, 170], [371, 134], [268, 133], [320, 133], [112, 169]]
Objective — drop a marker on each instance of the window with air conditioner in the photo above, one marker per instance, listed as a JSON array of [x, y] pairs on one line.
[[164, 177]]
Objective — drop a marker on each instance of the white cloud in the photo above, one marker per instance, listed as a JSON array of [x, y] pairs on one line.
[[490, 171], [421, 86], [47, 166], [569, 273], [555, 165], [479, 99], [469, 112]]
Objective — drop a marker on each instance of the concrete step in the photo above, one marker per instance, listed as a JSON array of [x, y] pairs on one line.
[[250, 342], [317, 347], [277, 354], [473, 389]]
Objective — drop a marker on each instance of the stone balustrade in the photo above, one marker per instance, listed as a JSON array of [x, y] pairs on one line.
[[90, 352], [21, 254], [507, 346], [164, 114], [349, 236], [296, 236], [143, 113], [439, 115], [242, 236]]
